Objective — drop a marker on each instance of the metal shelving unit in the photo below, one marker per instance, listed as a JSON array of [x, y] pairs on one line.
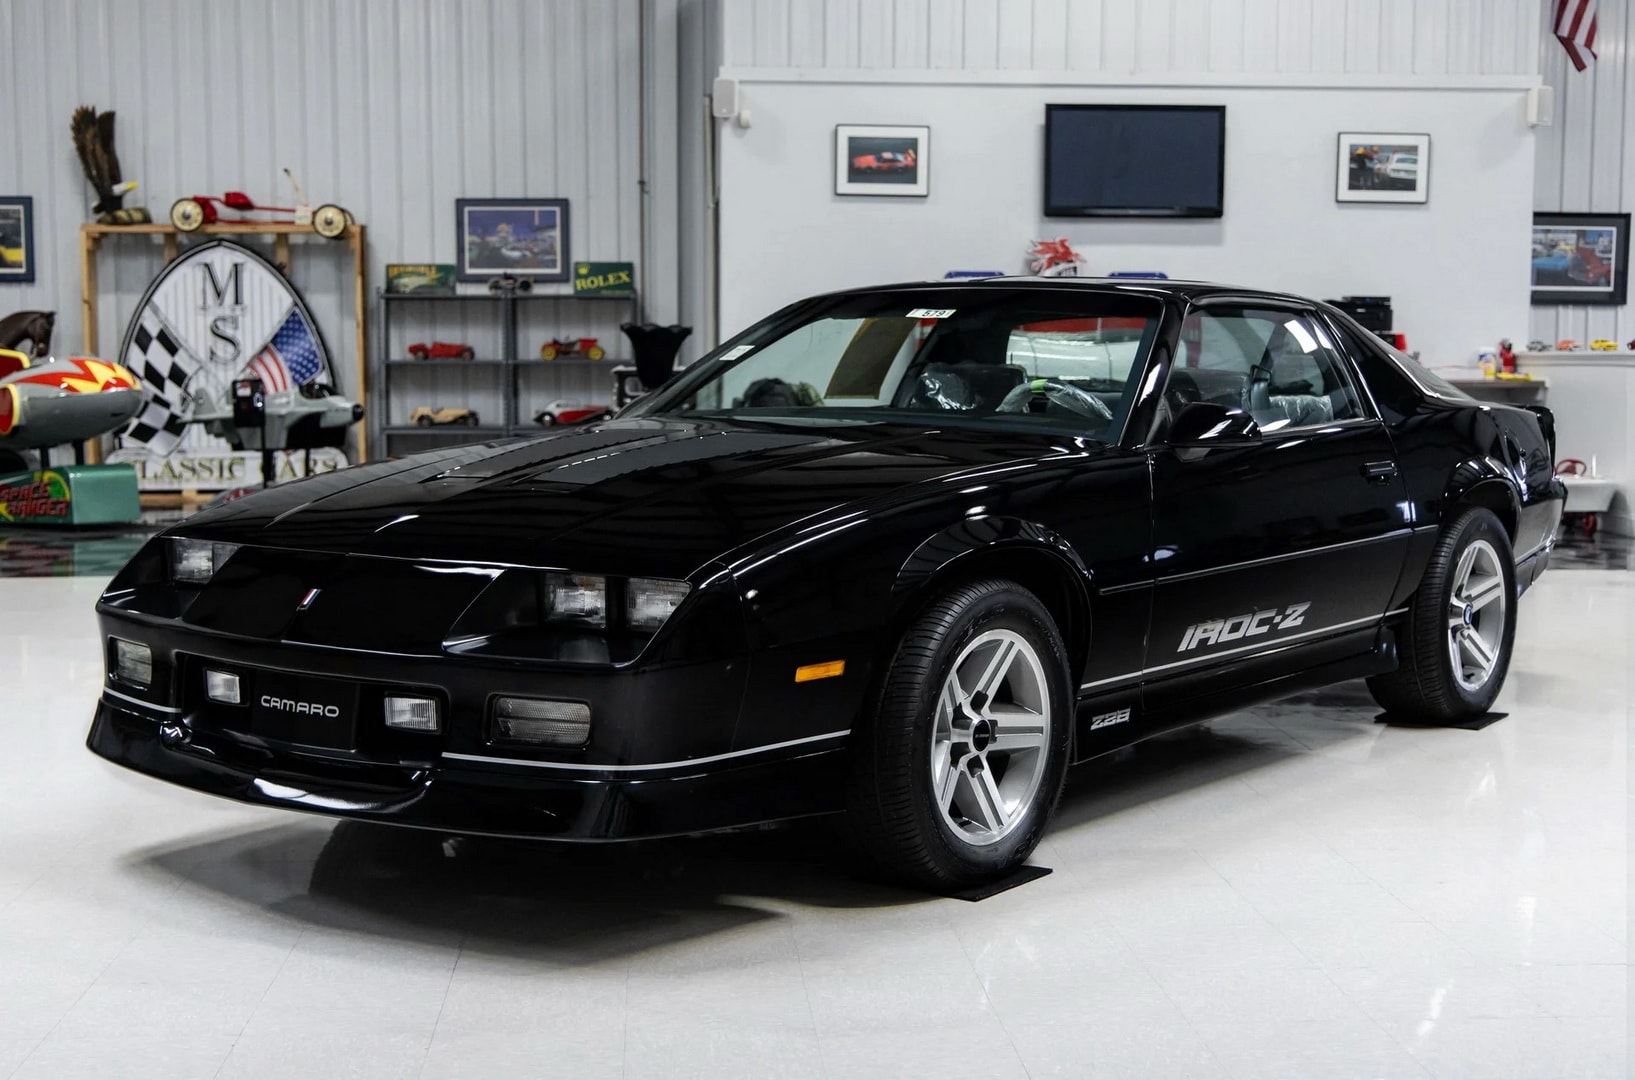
[[508, 366]]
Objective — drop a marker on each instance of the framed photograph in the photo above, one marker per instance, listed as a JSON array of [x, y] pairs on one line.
[[1383, 168], [16, 238], [524, 237], [882, 160], [1580, 258]]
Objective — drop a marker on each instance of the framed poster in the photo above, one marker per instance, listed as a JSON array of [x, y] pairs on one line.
[[874, 160], [1580, 259], [16, 238], [1383, 168], [525, 238]]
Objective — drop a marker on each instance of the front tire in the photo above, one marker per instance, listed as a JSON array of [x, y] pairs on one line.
[[956, 774], [1456, 647]]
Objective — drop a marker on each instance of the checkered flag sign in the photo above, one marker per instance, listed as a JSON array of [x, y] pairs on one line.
[[164, 368]]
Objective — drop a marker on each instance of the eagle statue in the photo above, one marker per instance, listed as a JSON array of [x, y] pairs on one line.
[[94, 140]]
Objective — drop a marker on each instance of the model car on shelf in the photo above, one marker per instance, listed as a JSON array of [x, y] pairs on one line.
[[441, 350], [586, 347], [1604, 345], [190, 214], [899, 554], [570, 412], [1567, 345], [425, 416], [510, 283]]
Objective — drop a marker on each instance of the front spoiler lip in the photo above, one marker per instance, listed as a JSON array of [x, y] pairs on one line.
[[482, 799]]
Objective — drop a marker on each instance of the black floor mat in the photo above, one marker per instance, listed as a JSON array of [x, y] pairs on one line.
[[1475, 723], [994, 888]]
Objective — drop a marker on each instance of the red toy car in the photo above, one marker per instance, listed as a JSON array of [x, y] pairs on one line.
[[572, 347], [441, 350]]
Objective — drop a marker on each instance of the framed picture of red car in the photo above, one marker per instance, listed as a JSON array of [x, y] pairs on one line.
[[525, 238], [882, 160], [1580, 259]]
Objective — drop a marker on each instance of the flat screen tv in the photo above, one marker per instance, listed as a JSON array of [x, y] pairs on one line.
[[1134, 160]]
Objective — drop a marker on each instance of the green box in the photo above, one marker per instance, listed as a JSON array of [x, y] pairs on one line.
[[71, 495], [434, 279], [604, 279]]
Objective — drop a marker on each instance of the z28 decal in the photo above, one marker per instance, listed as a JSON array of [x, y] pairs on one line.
[[1253, 624]]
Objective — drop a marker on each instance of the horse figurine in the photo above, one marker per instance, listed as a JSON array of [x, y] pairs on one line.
[[32, 326]]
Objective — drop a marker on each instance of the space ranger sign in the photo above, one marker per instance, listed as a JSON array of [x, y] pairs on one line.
[[219, 313]]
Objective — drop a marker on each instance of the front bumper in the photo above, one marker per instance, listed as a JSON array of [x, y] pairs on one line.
[[476, 797]]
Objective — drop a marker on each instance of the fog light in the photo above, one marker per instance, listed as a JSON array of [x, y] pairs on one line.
[[413, 714], [221, 686], [541, 723], [133, 663]]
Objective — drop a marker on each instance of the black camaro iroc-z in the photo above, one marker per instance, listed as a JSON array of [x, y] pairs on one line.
[[900, 553]]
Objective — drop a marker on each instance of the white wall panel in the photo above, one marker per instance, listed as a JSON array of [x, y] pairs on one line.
[[392, 108], [1429, 37], [1586, 157]]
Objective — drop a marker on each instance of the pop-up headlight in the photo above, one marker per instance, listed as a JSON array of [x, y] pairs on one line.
[[195, 562]]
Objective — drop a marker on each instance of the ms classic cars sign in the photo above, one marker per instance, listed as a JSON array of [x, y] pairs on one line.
[[218, 313]]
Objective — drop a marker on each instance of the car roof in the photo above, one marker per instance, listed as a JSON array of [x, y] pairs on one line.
[[1161, 287]]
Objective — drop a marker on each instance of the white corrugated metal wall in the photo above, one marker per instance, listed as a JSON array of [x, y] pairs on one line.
[[1402, 37], [1586, 158], [392, 108]]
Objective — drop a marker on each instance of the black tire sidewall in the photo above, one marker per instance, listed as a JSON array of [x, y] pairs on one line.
[[1008, 607]]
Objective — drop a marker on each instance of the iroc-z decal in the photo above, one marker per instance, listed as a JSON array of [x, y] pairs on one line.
[[1253, 624]]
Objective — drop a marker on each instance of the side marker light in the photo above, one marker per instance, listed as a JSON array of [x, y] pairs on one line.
[[813, 672]]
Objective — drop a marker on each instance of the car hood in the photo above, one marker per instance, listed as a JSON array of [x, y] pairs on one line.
[[654, 496]]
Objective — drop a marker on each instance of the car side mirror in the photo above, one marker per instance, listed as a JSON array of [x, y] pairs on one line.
[[1201, 425]]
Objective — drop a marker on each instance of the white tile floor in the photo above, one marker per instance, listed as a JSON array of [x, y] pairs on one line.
[[1296, 891]]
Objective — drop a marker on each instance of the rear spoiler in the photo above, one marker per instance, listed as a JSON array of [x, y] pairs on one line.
[[1547, 424]]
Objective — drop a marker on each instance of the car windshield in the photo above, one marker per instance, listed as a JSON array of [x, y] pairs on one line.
[[1058, 359]]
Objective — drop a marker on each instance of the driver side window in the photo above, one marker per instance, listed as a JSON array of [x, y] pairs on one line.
[[1280, 367]]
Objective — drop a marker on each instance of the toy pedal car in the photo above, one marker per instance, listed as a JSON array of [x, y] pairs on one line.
[[441, 350], [188, 215], [570, 412], [585, 346], [428, 417]]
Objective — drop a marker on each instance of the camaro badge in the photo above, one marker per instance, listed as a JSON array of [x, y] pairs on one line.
[[1252, 624]]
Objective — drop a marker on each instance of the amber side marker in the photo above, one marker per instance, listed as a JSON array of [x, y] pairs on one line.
[[812, 672]]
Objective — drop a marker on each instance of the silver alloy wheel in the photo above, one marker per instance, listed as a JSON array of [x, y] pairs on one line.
[[990, 737], [1476, 613]]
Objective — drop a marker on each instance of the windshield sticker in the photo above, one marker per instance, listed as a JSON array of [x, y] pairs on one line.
[[931, 313], [736, 351]]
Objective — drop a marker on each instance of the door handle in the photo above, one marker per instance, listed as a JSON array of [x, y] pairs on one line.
[[1378, 472]]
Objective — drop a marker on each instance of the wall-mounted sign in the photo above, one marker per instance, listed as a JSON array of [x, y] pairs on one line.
[[218, 313], [604, 279]]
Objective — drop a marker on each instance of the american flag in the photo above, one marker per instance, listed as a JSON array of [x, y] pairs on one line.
[[291, 358], [1575, 29]]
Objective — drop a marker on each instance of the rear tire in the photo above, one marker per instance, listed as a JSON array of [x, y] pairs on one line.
[[958, 770], [1455, 649]]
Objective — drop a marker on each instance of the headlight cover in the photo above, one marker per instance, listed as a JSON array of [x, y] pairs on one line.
[[195, 562], [649, 601], [569, 617]]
